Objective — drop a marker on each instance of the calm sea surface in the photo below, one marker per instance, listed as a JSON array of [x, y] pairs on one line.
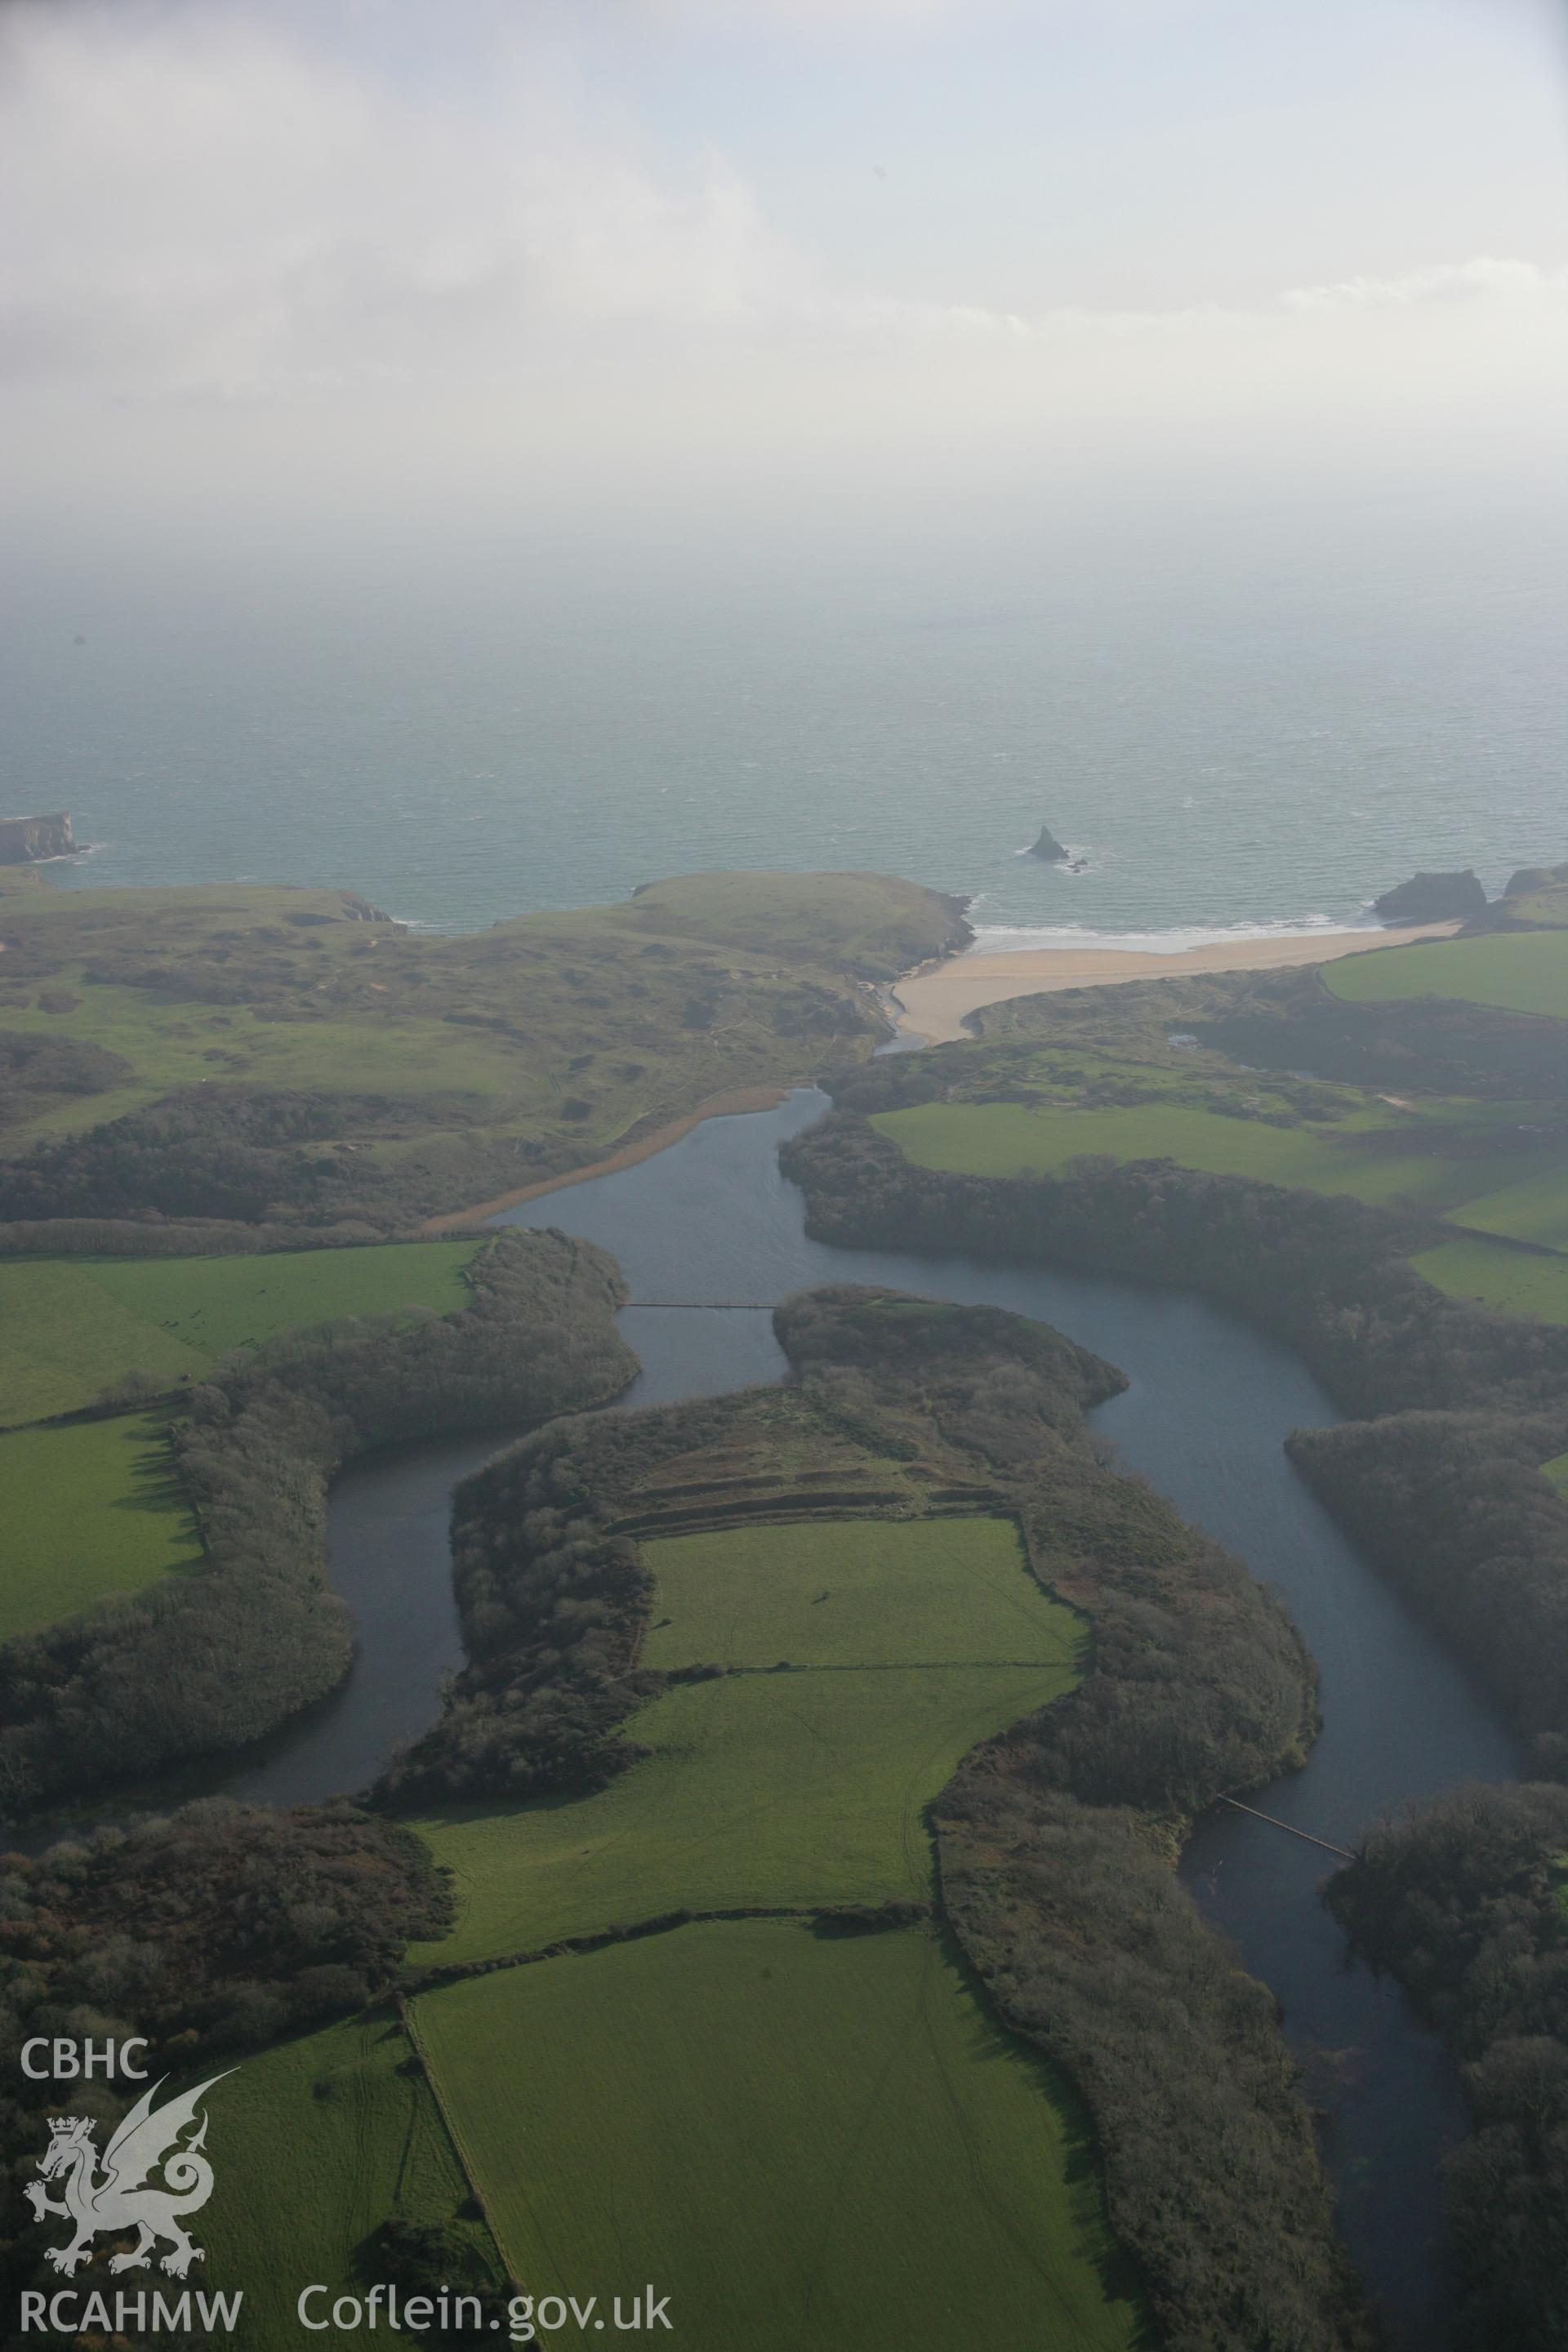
[[1230, 730]]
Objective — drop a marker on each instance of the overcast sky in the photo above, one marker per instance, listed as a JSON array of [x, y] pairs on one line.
[[272, 266]]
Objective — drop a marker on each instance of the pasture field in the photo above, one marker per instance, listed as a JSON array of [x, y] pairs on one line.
[[87, 1509], [763, 1786], [70, 1327], [799, 1788], [1533, 1208], [63, 1337], [872, 1592], [322, 2139], [1557, 1470], [1009, 1139], [1523, 971], [812, 2143], [1516, 1282]]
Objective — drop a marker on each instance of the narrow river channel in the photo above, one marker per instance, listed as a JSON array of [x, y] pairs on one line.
[[1210, 1403]]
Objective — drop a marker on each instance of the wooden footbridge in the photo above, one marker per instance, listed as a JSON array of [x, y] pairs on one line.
[[1288, 1827]]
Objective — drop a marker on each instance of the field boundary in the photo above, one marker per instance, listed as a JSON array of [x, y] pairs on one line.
[[464, 2161], [869, 1918]]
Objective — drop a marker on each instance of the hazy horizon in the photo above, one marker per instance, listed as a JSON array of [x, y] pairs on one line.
[[723, 277]]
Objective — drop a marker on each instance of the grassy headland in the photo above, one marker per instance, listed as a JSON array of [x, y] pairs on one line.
[[254, 1053]]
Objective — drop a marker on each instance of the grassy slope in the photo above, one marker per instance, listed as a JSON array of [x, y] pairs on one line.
[[796, 1788], [624, 2115], [1547, 906], [63, 1337], [321, 2141], [1516, 1282], [799, 1788], [877, 1592], [1532, 1208], [1525, 971], [1557, 1470], [880, 921], [561, 1031], [996, 1139], [71, 1327], [87, 1509]]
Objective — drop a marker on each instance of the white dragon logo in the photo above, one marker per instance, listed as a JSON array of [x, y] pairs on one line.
[[119, 2198]]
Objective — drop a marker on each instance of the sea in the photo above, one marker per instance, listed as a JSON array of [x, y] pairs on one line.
[[1237, 732]]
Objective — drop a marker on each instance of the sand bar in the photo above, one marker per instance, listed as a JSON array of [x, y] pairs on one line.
[[736, 1100], [935, 998]]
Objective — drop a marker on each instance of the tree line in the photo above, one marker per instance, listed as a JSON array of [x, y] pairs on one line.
[[1463, 1900], [1198, 1683], [211, 1932], [196, 1666], [1440, 1479]]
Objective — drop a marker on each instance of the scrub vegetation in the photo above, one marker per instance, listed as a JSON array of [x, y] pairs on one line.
[[263, 1054], [212, 1932]]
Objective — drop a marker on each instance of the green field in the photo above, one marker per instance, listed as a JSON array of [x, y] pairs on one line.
[[803, 2142], [797, 1788], [1557, 1470], [778, 1788], [1524, 971], [87, 1509], [1516, 1282], [70, 1328], [1009, 1139], [874, 1592], [318, 2142], [1533, 1208]]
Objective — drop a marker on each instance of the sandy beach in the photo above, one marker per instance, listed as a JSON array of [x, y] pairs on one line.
[[936, 997]]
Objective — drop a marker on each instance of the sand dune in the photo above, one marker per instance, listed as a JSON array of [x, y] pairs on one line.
[[936, 997]]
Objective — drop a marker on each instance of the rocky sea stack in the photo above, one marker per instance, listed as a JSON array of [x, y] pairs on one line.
[[1433, 898], [1047, 848], [24, 839]]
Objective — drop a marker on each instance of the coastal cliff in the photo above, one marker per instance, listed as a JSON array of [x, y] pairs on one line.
[[24, 839]]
